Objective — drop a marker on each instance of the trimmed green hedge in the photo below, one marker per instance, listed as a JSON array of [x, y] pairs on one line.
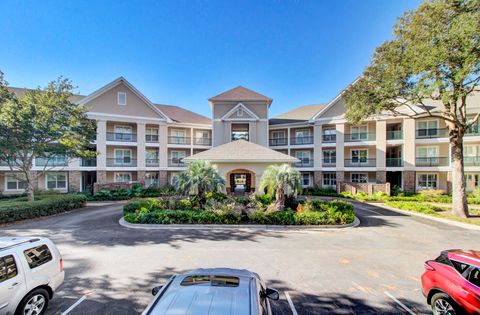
[[20, 209], [414, 206], [316, 213]]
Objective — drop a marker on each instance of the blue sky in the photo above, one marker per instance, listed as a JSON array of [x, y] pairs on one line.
[[183, 52]]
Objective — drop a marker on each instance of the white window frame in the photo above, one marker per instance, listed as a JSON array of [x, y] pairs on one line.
[[427, 181], [330, 156], [151, 131], [122, 174], [359, 156], [56, 180], [308, 158], [124, 94], [309, 179], [240, 112], [276, 133], [149, 178], [330, 180], [358, 132], [17, 181], [327, 131], [178, 155], [471, 150], [179, 136], [122, 157], [117, 130], [427, 121], [359, 182]]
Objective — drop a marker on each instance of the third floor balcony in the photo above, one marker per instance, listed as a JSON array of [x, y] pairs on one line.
[[431, 133], [360, 162], [432, 161], [301, 140], [180, 140], [471, 160], [394, 162], [329, 162], [358, 137], [332, 138], [304, 162], [121, 137], [277, 141]]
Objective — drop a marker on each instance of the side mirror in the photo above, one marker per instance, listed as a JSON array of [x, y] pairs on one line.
[[272, 294], [156, 289]]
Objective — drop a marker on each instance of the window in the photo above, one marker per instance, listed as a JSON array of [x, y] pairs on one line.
[[359, 132], [302, 136], [178, 136], [151, 179], [359, 156], [123, 133], [38, 256], [151, 134], [427, 152], [472, 150], [427, 128], [303, 156], [329, 134], [460, 266], [177, 156], [202, 137], [123, 156], [15, 182], [427, 181], [56, 181], [329, 156], [122, 177], [329, 179], [279, 138], [359, 178], [305, 179], [8, 268], [172, 177], [474, 277], [240, 112], [122, 98], [151, 157], [240, 131]]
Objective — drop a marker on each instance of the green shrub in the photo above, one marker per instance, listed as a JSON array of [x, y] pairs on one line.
[[264, 199], [216, 195], [430, 194], [15, 210], [475, 194], [414, 206]]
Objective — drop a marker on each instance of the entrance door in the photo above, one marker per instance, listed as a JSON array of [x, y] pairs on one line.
[[395, 179], [240, 182]]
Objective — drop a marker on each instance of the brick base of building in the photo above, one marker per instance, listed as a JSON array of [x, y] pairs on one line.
[[163, 178], [74, 181], [409, 181], [101, 177], [381, 177], [317, 179]]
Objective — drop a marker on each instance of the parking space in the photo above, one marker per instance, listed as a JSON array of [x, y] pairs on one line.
[[372, 269]]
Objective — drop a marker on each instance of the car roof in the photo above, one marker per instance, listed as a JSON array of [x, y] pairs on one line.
[[9, 242], [471, 257], [207, 298]]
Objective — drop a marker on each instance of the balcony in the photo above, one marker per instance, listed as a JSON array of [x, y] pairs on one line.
[[88, 162], [394, 162], [121, 162], [202, 141], [432, 161], [178, 140], [176, 162], [358, 137], [277, 141], [431, 133], [329, 162], [151, 138], [473, 131], [329, 138], [304, 163], [394, 135], [121, 137], [471, 160], [301, 140], [152, 162], [52, 162], [360, 162]]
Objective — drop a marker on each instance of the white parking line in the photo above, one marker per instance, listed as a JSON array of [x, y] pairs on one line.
[[399, 303], [74, 305], [292, 307]]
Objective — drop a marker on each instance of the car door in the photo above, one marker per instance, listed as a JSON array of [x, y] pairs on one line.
[[472, 286], [12, 283]]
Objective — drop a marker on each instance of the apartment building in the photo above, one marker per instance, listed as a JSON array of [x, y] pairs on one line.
[[140, 141]]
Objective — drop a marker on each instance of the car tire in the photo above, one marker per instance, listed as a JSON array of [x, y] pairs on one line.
[[37, 299], [443, 304]]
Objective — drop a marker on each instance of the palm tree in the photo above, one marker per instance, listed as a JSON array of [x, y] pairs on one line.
[[280, 179], [199, 178]]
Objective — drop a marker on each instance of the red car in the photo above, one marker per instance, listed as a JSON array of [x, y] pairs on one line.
[[451, 283]]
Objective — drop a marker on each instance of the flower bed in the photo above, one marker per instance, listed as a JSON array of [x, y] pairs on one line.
[[233, 211]]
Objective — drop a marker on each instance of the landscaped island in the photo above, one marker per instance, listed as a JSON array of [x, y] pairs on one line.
[[222, 209]]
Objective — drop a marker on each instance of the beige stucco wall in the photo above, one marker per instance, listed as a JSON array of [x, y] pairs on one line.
[[337, 109], [107, 103]]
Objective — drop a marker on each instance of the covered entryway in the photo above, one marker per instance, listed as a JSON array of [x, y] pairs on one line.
[[395, 179], [240, 181]]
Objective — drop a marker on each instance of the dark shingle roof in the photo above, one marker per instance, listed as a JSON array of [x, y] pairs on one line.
[[182, 115], [240, 93]]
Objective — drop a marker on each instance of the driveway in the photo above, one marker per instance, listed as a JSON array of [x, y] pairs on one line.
[[371, 269]]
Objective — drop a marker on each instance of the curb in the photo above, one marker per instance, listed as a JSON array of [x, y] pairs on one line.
[[256, 227], [425, 216]]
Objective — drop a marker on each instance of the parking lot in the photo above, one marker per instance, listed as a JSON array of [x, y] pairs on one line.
[[372, 269]]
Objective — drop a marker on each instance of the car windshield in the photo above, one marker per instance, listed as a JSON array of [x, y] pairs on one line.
[[221, 281]]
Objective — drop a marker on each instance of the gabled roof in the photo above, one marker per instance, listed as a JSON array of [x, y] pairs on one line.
[[182, 115], [299, 114], [249, 115], [242, 151], [19, 92], [116, 82], [240, 93]]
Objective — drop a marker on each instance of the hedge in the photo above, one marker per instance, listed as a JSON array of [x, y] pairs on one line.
[[14, 210]]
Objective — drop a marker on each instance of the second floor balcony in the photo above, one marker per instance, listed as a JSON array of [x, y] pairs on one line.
[[202, 141], [471, 160], [301, 140], [473, 131], [358, 137], [431, 133], [121, 137], [432, 161], [394, 162], [394, 134], [88, 162], [51, 162], [176, 162], [277, 141], [360, 162], [329, 138], [331, 162], [306, 162], [152, 162], [180, 140], [121, 162]]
